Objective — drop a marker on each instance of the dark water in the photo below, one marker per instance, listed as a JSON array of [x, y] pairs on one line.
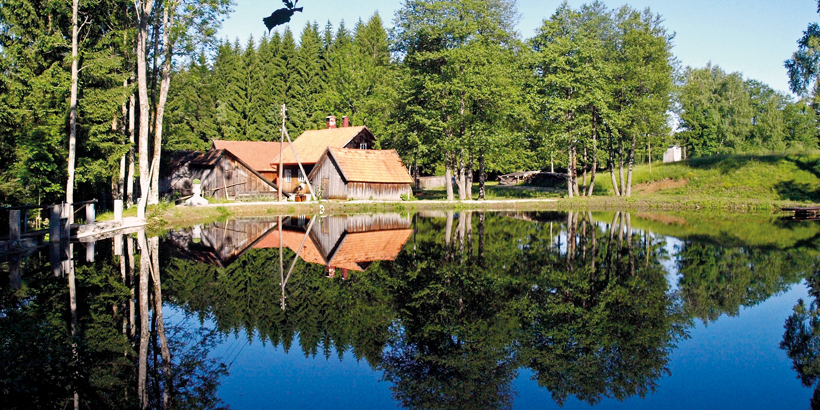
[[430, 311]]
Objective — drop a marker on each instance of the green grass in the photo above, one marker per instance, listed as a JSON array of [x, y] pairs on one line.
[[757, 177], [495, 191]]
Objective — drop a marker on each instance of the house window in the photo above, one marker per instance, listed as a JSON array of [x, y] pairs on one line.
[[287, 175], [363, 145], [301, 176]]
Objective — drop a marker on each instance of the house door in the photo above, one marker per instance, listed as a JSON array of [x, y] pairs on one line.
[[325, 186]]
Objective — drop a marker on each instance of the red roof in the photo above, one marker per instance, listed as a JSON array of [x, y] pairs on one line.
[[256, 154], [369, 247], [312, 144], [363, 165]]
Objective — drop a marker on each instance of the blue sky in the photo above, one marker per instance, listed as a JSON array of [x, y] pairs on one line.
[[752, 36]]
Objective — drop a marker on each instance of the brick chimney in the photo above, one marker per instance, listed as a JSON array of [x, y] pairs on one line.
[[331, 122], [345, 121]]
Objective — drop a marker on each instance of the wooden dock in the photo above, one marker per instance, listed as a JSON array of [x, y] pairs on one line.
[[806, 213]]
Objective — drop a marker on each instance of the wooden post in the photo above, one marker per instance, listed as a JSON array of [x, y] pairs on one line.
[[118, 209], [90, 213], [307, 181], [14, 226], [279, 174], [650, 156], [54, 239]]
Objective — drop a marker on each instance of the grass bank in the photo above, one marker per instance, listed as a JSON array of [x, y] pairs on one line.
[[748, 183], [738, 178]]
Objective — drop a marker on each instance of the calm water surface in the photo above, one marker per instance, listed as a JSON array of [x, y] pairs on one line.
[[458, 310]]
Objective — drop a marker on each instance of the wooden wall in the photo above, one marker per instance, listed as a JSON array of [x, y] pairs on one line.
[[288, 187], [368, 190], [355, 143], [329, 180], [229, 176]]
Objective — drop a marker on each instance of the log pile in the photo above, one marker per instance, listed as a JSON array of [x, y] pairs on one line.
[[536, 178]]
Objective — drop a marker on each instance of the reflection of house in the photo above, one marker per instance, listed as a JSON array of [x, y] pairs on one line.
[[220, 243], [234, 170], [312, 144], [345, 242], [361, 174]]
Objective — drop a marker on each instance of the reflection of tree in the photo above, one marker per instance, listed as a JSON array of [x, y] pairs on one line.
[[801, 339], [453, 346], [326, 314], [42, 366], [717, 279], [598, 323]]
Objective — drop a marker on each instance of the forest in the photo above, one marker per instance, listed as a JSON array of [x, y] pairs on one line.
[[92, 94]]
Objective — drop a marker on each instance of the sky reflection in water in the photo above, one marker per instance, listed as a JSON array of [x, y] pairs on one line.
[[466, 310]]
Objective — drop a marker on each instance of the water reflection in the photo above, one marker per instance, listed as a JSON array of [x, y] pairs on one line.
[[447, 307]]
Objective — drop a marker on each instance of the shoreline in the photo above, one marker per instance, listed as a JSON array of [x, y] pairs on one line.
[[167, 217]]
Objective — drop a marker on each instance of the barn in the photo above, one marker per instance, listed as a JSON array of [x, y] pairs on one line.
[[221, 173], [342, 173], [256, 154]]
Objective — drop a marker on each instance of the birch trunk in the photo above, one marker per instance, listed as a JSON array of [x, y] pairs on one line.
[[143, 14], [448, 176], [631, 164], [482, 177], [575, 170], [165, 83], [594, 156], [468, 183], [569, 172], [462, 178], [129, 180], [72, 115], [621, 164], [612, 163]]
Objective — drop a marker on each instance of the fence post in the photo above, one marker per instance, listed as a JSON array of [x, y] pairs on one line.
[[90, 213], [118, 209]]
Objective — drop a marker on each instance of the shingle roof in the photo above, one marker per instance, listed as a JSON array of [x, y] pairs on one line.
[[256, 154], [209, 158], [369, 247], [363, 165], [312, 144]]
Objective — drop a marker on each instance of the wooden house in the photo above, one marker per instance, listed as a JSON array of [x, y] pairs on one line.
[[342, 173], [256, 154], [311, 145], [221, 172]]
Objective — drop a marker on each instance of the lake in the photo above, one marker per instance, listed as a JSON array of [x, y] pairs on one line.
[[434, 310]]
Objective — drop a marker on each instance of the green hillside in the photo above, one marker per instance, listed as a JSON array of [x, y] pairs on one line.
[[761, 177]]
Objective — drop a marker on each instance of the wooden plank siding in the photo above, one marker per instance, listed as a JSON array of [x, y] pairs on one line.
[[289, 187], [370, 190], [229, 176], [328, 177]]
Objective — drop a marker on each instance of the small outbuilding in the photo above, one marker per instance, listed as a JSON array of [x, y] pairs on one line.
[[342, 173], [673, 154], [221, 173]]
